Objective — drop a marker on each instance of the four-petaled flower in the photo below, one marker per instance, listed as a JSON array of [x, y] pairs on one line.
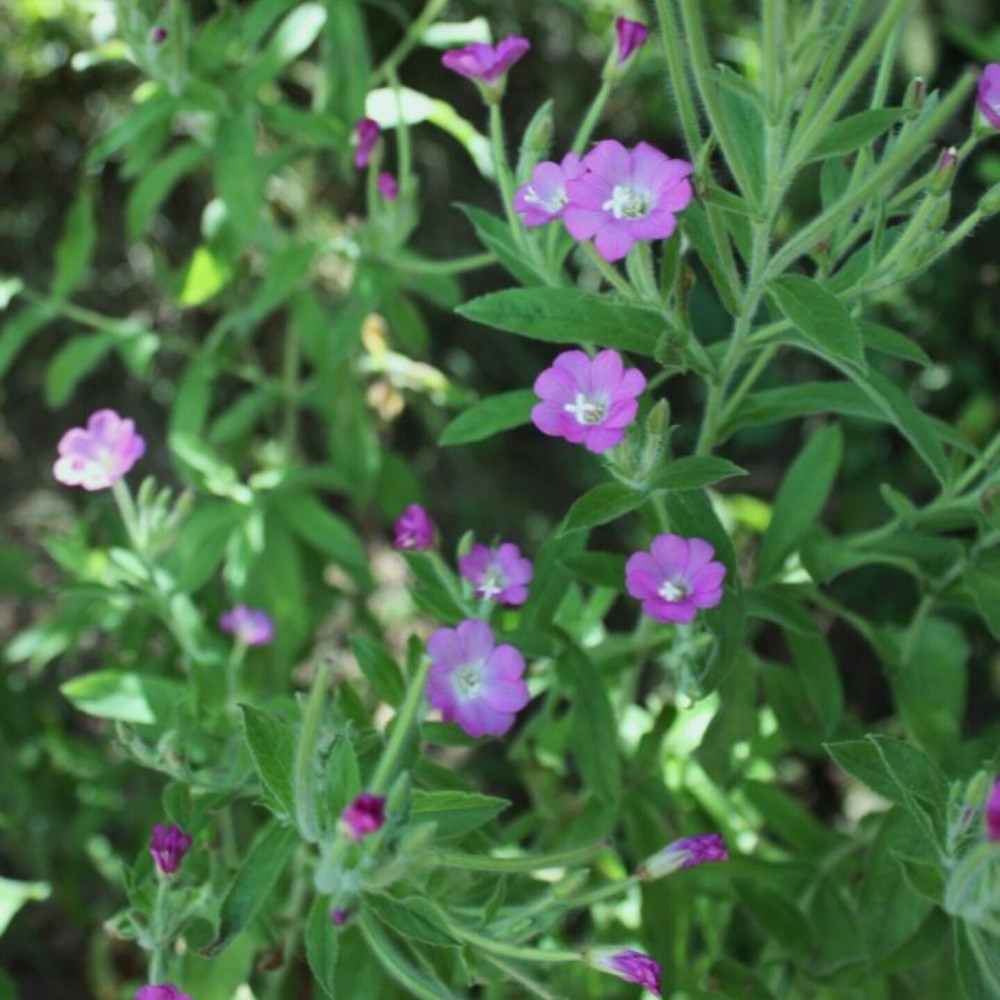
[[474, 682], [487, 64], [168, 845], [388, 186], [988, 98], [676, 578], [992, 813], [414, 530], [164, 991], [684, 853], [96, 458], [544, 197], [625, 963], [588, 401], [365, 815], [251, 626], [499, 574], [624, 196], [366, 134], [632, 36]]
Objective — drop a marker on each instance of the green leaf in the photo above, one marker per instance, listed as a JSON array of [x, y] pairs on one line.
[[600, 505], [126, 697], [803, 495], [414, 918], [745, 123], [820, 677], [776, 916], [76, 246], [490, 416], [272, 745], [156, 183], [13, 895], [455, 812], [15, 334], [855, 131], [205, 276], [151, 112], [820, 317], [324, 531], [771, 406], [982, 580], [293, 36], [569, 316], [737, 982], [73, 363], [495, 236], [255, 881], [887, 341], [322, 946], [602, 569], [237, 171], [694, 473], [790, 820], [380, 669]]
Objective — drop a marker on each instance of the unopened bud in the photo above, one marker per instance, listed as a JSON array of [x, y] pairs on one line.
[[989, 204], [944, 172], [537, 140], [159, 35], [913, 100]]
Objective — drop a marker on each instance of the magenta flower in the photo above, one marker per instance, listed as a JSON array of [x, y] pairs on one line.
[[544, 198], [165, 991], [588, 401], [250, 626], [632, 966], [365, 815], [988, 97], [487, 64], [475, 683], [159, 35], [168, 845], [366, 134], [684, 853], [675, 579], [339, 917], [632, 36], [388, 186], [96, 458], [992, 813], [623, 197], [499, 574], [414, 530]]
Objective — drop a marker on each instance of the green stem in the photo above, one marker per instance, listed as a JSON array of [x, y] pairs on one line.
[[676, 60], [599, 895], [608, 271], [457, 265], [409, 41], [529, 983], [511, 950], [291, 363], [159, 932], [401, 727], [305, 757], [979, 464], [589, 123], [747, 383], [505, 179], [916, 627], [772, 53], [531, 863], [403, 145]]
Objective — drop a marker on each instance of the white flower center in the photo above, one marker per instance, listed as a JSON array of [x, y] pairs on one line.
[[587, 410], [492, 583], [673, 591], [627, 203], [556, 203], [468, 681]]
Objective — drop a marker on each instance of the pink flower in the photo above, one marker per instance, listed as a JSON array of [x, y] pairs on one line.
[[992, 813], [675, 578], [339, 917], [366, 134], [474, 683], [544, 198], [251, 626], [625, 196], [632, 966], [587, 401], [96, 458], [414, 530], [487, 64], [365, 815], [632, 36], [388, 186], [499, 574], [988, 97], [684, 853], [168, 845], [165, 991], [159, 35]]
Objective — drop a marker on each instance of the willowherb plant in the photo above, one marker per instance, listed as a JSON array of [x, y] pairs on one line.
[[636, 693]]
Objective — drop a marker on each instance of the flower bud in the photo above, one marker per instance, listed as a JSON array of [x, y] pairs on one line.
[[916, 92], [989, 204], [944, 172], [991, 814], [168, 845], [625, 963], [684, 853]]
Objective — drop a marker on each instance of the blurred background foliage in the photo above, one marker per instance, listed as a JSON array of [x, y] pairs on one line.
[[57, 792]]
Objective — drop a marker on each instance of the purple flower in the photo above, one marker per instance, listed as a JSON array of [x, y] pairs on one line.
[[414, 530], [339, 917], [992, 813], [165, 991], [366, 814], [632, 36], [487, 64], [675, 578], [632, 966], [251, 626], [96, 458], [587, 401], [684, 853], [499, 574], [159, 35], [544, 198], [366, 134], [168, 845], [988, 97], [625, 196], [388, 186], [474, 683]]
